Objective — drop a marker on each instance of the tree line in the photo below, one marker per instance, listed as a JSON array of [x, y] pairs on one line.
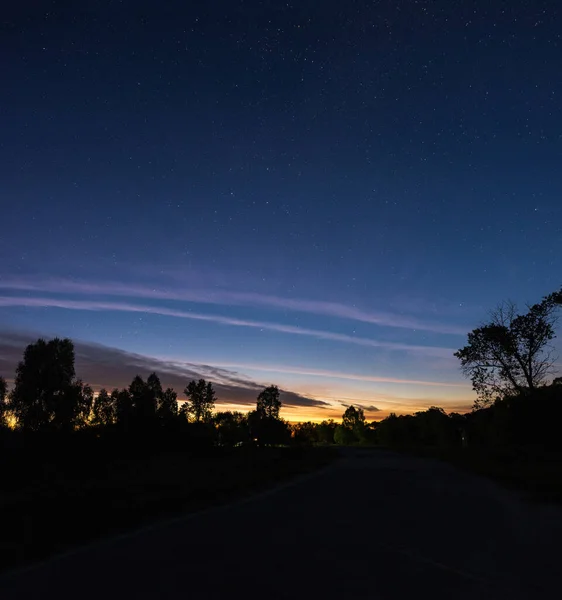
[[48, 398], [509, 360], [511, 363]]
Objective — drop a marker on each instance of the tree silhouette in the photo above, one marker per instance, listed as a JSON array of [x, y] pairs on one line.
[[46, 394], [269, 403], [511, 354], [73, 407], [168, 406], [123, 404], [268, 431], [144, 399], [435, 428], [155, 390], [3, 402], [343, 436], [325, 431], [353, 418], [265, 425], [201, 400], [232, 428], [304, 433], [352, 428], [103, 412]]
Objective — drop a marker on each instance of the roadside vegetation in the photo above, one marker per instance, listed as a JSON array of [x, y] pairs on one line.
[[513, 432]]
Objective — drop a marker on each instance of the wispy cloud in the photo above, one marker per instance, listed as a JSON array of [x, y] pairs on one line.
[[369, 408], [183, 314], [103, 366], [230, 298], [328, 374]]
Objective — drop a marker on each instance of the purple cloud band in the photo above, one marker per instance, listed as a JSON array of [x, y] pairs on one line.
[[104, 366], [182, 314], [226, 297], [325, 373]]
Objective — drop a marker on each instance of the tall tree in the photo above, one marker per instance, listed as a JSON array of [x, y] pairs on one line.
[[123, 404], [325, 431], [269, 403], [168, 405], [264, 423], [304, 433], [144, 399], [232, 428], [353, 418], [511, 354], [104, 409], [46, 394], [267, 430], [210, 399], [155, 387], [200, 400], [73, 407], [344, 436]]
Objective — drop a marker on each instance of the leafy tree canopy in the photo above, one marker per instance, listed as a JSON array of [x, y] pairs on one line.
[[511, 354], [269, 403]]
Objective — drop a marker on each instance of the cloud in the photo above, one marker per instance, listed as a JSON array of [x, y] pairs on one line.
[[368, 408], [103, 366], [327, 374], [95, 305], [229, 298]]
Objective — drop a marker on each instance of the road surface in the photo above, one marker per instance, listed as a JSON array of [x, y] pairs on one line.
[[374, 525]]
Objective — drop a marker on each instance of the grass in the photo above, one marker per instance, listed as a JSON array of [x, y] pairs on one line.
[[52, 503]]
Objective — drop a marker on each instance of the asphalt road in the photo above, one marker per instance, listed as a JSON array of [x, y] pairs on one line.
[[374, 525]]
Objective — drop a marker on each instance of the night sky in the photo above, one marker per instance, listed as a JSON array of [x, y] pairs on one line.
[[322, 195]]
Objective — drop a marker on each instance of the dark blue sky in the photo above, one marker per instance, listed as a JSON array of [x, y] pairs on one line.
[[354, 183]]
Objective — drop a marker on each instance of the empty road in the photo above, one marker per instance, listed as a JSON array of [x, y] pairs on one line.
[[374, 525]]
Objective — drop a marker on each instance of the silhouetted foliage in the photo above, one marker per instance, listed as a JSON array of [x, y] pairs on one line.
[[46, 394], [268, 431], [47, 397], [431, 427], [103, 412], [123, 404], [265, 426], [201, 400], [353, 417], [168, 406], [511, 354], [232, 428], [269, 403], [325, 431], [353, 429], [344, 436], [144, 401], [3, 402], [435, 428], [304, 433], [367, 433]]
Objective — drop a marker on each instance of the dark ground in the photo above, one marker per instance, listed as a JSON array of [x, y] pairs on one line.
[[53, 498], [373, 525]]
